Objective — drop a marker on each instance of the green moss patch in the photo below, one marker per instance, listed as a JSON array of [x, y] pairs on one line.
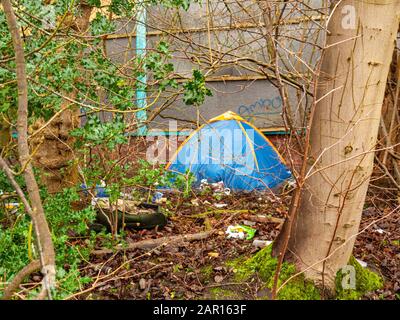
[[365, 281], [264, 265], [224, 294], [207, 272]]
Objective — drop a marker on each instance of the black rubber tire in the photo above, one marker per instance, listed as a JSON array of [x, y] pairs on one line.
[[140, 221]]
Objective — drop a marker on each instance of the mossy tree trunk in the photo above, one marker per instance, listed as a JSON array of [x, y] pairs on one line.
[[343, 135], [5, 135], [54, 145]]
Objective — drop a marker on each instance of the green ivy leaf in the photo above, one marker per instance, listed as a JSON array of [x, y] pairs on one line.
[[195, 89]]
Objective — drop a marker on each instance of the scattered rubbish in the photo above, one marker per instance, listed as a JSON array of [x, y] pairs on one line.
[[213, 254], [261, 243], [128, 206], [131, 214], [11, 205], [216, 187], [204, 184], [157, 197], [220, 205], [362, 263], [100, 190], [240, 232], [249, 223], [218, 279], [380, 231], [219, 187], [292, 183], [289, 185], [126, 196]]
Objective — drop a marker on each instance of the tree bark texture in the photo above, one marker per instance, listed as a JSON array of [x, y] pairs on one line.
[[343, 135]]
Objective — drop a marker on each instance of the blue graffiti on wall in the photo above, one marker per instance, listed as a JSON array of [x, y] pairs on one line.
[[261, 108]]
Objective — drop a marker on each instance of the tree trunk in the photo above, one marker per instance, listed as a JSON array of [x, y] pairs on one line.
[[55, 146], [350, 94], [43, 235], [5, 135]]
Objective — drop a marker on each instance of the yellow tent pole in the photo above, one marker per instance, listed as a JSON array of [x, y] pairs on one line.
[[250, 143]]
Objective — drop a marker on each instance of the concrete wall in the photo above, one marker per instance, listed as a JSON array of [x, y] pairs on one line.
[[211, 38]]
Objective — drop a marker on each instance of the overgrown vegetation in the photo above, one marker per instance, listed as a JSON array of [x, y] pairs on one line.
[[73, 81], [264, 265], [365, 281], [70, 228], [298, 288], [71, 236]]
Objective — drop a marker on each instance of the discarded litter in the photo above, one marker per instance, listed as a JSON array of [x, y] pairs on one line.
[[261, 243], [220, 205], [12, 205], [291, 183], [158, 197], [217, 187], [362, 263], [240, 232], [100, 190], [132, 214]]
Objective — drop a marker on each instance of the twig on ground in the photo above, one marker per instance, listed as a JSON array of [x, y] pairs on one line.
[[152, 243]]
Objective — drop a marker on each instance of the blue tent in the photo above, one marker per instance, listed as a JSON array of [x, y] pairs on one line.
[[232, 150]]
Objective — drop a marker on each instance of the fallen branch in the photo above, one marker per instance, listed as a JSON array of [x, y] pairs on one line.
[[264, 219], [152, 243], [14, 284]]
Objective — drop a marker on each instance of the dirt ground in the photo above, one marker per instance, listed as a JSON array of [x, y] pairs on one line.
[[198, 269]]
